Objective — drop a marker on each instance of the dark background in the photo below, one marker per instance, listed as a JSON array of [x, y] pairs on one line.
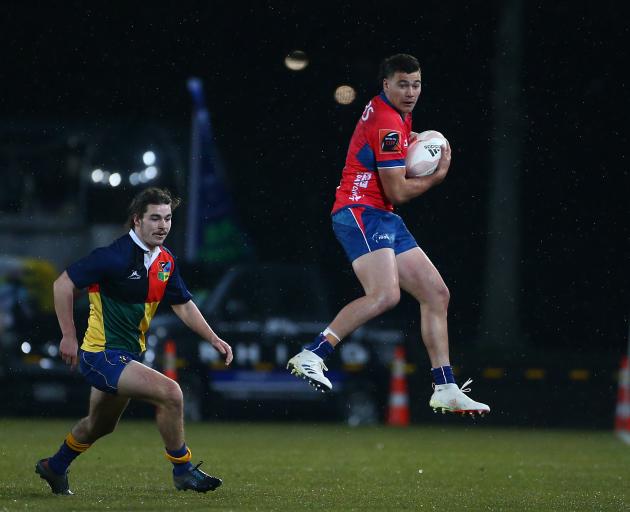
[[122, 68]]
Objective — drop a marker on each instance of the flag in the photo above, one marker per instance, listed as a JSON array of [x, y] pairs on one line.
[[212, 232]]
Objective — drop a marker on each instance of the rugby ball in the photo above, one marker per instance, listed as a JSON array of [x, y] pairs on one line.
[[424, 154]]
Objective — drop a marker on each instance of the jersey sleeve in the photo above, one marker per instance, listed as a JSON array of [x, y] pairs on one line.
[[91, 269], [176, 291], [386, 140]]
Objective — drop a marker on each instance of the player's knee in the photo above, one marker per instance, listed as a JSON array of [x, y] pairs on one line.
[[441, 297], [172, 395], [387, 299]]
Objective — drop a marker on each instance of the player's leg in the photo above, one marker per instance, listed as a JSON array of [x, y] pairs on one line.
[[377, 273], [104, 412], [419, 277], [367, 236], [140, 382], [378, 276]]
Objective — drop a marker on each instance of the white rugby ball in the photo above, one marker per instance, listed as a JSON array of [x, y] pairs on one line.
[[424, 154]]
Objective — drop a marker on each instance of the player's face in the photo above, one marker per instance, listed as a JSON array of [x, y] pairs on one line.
[[403, 90], [154, 225]]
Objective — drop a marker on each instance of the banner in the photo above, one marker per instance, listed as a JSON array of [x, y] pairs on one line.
[[212, 233]]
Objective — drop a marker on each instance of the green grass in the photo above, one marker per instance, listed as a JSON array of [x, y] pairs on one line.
[[326, 467]]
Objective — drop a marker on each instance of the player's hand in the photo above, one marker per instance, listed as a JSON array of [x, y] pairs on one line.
[[224, 349], [68, 349], [413, 136], [443, 164]]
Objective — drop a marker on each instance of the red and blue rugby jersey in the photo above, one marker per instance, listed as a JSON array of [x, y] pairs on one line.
[[123, 294], [379, 141]]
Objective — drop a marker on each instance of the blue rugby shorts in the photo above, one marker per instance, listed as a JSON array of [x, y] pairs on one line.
[[102, 369], [363, 229]]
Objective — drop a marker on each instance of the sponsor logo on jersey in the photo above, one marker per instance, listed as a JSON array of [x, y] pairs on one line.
[[361, 181], [134, 275], [389, 141], [165, 270]]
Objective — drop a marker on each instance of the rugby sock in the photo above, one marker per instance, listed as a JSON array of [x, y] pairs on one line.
[[68, 451], [443, 375], [180, 459], [321, 346]]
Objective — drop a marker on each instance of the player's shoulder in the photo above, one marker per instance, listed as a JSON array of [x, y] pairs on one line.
[[379, 112], [168, 253], [117, 254], [121, 247]]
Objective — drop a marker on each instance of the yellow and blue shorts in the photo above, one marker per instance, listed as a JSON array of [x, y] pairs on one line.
[[103, 369]]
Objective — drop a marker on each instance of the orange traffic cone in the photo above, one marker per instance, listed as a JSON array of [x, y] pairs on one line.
[[622, 413], [170, 359], [398, 413]]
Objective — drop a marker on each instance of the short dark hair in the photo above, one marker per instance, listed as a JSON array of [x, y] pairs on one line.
[[152, 195], [399, 62]]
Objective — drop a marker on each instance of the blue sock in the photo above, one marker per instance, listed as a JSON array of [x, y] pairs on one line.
[[179, 468], [68, 451], [443, 375], [321, 346]]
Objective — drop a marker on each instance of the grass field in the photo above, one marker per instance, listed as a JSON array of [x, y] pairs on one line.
[[326, 467]]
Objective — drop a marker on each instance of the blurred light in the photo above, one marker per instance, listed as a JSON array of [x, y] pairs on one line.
[[345, 94], [52, 350], [134, 178], [152, 340], [115, 179], [142, 177], [26, 347], [149, 357], [296, 60], [151, 172], [97, 175], [148, 158], [46, 363], [161, 332]]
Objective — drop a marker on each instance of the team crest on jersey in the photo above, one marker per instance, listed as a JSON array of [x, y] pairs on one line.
[[389, 141], [164, 271]]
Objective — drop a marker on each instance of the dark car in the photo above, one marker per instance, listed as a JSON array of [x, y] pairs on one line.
[[267, 313], [33, 378]]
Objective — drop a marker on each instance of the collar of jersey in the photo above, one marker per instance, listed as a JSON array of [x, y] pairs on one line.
[[384, 98], [140, 243], [149, 257]]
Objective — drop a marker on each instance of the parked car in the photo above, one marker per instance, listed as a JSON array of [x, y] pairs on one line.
[[267, 313], [33, 379]]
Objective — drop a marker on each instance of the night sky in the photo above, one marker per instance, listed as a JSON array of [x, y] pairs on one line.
[[283, 139]]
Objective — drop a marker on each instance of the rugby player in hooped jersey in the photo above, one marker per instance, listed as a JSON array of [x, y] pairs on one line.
[[126, 282], [384, 255]]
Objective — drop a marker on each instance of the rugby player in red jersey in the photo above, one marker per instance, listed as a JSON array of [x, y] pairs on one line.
[[384, 255], [126, 281]]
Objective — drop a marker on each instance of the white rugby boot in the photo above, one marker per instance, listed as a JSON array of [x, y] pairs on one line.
[[310, 366], [450, 398]]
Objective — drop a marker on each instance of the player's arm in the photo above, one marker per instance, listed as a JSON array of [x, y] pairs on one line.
[[400, 189], [63, 293], [189, 313]]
